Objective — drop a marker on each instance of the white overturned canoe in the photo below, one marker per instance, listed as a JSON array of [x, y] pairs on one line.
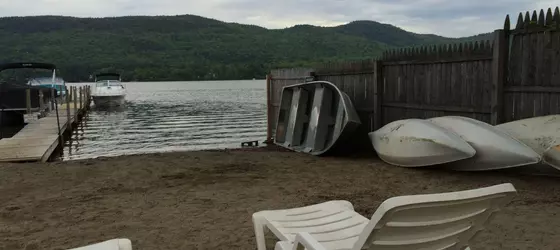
[[552, 156], [314, 117], [495, 149], [541, 133], [417, 143]]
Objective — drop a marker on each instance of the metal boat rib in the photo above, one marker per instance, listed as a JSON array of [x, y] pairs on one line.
[[314, 116], [495, 149], [418, 143]]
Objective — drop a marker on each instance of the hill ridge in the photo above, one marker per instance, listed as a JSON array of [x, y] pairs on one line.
[[192, 47]]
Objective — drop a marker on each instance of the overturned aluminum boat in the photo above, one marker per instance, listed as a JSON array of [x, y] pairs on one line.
[[418, 143], [495, 149], [541, 133], [313, 117]]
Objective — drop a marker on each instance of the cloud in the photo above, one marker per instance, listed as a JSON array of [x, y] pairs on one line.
[[442, 17]]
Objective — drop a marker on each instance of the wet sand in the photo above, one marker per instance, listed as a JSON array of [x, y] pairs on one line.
[[204, 200]]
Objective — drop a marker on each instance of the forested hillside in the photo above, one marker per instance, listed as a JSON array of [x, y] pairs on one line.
[[190, 47]]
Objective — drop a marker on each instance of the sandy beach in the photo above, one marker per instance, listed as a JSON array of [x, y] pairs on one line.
[[204, 200]]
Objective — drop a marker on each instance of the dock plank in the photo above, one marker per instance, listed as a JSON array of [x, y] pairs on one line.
[[24, 142], [39, 138]]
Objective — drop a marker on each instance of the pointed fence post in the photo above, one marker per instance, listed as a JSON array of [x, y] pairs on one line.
[[378, 95], [499, 75]]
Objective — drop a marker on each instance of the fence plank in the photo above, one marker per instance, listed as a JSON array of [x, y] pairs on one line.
[[378, 91], [499, 67], [532, 87], [492, 81]]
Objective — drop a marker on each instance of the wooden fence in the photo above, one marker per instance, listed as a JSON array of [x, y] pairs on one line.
[[532, 87], [515, 76]]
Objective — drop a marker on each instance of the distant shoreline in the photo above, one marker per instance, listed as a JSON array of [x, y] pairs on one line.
[[174, 81]]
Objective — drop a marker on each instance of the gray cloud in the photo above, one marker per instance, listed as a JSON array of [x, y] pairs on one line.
[[442, 17]]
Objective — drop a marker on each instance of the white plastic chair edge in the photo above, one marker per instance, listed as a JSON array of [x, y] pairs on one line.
[[122, 243], [391, 203], [305, 241], [302, 241], [261, 224]]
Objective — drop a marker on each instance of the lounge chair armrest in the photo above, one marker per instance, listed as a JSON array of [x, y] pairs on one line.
[[306, 241]]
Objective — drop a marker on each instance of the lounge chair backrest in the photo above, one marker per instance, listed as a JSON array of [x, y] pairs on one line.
[[114, 244], [433, 221]]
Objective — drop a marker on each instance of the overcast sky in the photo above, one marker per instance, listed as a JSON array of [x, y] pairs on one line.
[[443, 17]]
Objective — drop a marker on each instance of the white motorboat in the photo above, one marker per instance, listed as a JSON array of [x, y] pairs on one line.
[[541, 133], [314, 116], [418, 143], [495, 149], [108, 92]]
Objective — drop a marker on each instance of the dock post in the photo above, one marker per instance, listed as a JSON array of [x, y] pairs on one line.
[[89, 97], [68, 120], [55, 102], [70, 93], [81, 98], [75, 97], [268, 109], [53, 99], [28, 100], [86, 104], [41, 102]]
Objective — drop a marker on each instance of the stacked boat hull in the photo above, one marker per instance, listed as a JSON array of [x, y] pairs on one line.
[[552, 157], [541, 133], [466, 144], [314, 117], [495, 149], [418, 143]]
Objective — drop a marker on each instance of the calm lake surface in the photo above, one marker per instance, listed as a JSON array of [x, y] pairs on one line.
[[173, 116]]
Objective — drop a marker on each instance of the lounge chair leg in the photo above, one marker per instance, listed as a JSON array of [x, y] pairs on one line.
[[259, 234]]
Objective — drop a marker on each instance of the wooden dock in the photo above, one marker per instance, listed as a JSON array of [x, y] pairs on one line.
[[40, 137]]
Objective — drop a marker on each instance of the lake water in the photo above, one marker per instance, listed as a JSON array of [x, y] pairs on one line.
[[173, 116]]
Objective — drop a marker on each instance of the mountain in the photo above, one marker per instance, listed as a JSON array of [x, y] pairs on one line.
[[189, 47], [395, 36], [387, 34]]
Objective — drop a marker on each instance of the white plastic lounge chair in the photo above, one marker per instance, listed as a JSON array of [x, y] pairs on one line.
[[114, 244], [430, 221]]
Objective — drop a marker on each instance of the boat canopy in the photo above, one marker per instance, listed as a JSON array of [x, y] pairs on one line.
[[30, 65], [107, 76], [23, 79]]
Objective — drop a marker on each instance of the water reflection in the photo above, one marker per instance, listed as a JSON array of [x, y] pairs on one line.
[[160, 117]]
